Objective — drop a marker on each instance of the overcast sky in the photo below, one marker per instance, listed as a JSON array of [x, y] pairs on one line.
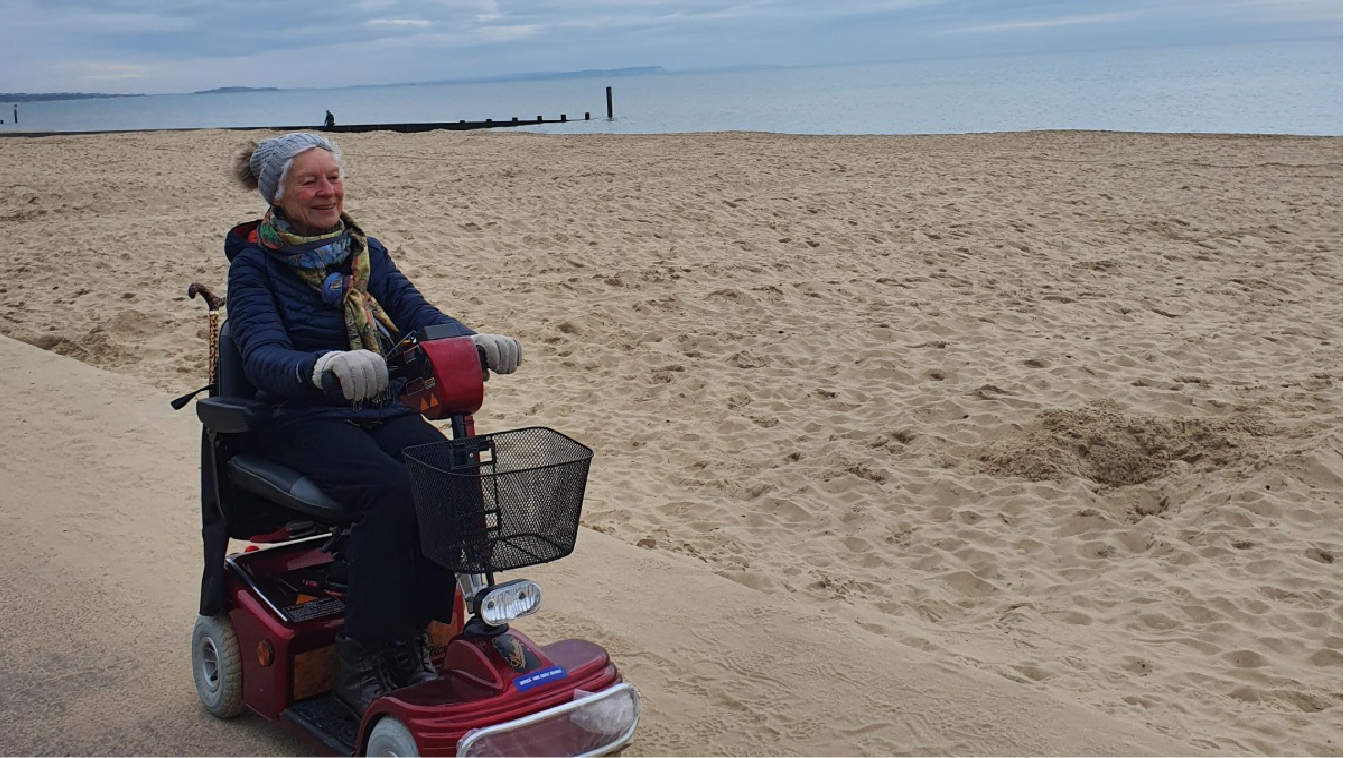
[[158, 46]]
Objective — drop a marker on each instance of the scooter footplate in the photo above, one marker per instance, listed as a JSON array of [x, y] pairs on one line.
[[327, 721]]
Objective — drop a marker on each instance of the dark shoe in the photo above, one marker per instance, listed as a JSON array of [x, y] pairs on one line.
[[411, 662], [363, 673]]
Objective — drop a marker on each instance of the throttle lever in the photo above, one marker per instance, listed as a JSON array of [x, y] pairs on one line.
[[485, 372]]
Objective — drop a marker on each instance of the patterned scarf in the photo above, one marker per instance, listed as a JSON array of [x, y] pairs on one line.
[[367, 326]]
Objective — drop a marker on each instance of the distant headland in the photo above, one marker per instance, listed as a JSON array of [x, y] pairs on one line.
[[534, 76], [219, 90], [586, 73], [30, 97]]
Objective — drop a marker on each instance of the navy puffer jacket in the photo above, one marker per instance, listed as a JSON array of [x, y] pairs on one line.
[[282, 326]]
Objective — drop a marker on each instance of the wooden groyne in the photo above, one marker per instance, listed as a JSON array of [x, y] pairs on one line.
[[338, 129], [411, 128]]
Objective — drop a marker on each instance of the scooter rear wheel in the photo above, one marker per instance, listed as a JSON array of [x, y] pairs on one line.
[[217, 667], [390, 737]]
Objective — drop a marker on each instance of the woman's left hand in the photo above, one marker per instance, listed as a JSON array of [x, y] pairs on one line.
[[503, 354]]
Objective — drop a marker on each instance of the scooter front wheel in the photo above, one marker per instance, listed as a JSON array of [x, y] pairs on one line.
[[217, 666], [390, 737]]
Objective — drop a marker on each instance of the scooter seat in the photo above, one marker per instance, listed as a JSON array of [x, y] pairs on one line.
[[285, 486]]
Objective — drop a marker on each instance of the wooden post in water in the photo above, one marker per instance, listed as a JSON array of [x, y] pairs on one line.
[[609, 102], [16, 113]]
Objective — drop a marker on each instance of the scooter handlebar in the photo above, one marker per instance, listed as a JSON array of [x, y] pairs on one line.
[[432, 376], [401, 369], [396, 370]]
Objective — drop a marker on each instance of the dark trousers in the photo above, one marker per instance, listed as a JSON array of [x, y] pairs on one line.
[[394, 590]]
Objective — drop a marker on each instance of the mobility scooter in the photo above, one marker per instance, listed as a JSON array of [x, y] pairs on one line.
[[485, 503]]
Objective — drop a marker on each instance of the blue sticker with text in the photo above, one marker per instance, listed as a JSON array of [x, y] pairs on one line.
[[538, 678]]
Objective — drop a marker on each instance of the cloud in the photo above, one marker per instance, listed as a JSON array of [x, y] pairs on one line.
[[1287, 10], [508, 33], [484, 11], [1043, 23], [102, 22], [413, 22], [162, 44], [490, 11], [101, 71], [597, 14]]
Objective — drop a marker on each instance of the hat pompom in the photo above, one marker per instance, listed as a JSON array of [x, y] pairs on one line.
[[242, 166]]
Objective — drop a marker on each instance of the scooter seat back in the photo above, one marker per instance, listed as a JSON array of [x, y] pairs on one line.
[[230, 380], [257, 475], [285, 486]]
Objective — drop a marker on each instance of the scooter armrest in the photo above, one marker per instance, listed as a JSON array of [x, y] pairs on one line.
[[232, 415]]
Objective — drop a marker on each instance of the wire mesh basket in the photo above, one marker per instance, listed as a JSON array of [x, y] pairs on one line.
[[496, 502]]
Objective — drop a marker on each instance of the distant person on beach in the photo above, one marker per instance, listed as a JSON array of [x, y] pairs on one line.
[[330, 121], [314, 305]]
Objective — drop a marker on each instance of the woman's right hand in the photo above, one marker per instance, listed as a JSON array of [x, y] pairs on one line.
[[362, 374]]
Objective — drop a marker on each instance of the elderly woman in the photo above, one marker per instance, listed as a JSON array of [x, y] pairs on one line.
[[311, 300]]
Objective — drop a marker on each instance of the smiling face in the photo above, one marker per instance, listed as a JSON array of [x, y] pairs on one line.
[[311, 194]]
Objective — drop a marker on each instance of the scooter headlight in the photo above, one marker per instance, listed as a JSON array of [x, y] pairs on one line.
[[505, 602]]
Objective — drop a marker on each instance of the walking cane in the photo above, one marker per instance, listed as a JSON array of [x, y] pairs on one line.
[[213, 305]]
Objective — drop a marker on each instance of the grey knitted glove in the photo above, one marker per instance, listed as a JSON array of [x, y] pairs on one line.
[[362, 373], [503, 354]]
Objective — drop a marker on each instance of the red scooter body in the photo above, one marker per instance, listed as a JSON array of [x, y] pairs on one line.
[[499, 693], [288, 658]]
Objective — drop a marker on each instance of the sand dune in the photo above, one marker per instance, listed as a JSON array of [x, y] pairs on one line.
[[1025, 420]]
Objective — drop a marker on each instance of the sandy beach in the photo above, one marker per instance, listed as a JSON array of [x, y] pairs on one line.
[[995, 444]]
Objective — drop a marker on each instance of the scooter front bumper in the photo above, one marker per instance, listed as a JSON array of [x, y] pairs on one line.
[[594, 723]]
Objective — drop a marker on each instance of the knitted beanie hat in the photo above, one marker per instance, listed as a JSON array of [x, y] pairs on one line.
[[271, 158]]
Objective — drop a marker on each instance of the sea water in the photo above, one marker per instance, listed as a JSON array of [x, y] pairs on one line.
[[1286, 87]]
